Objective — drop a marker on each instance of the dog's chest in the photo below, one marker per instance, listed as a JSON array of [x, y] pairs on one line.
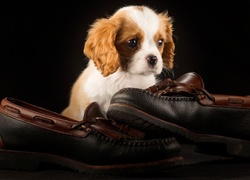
[[103, 88]]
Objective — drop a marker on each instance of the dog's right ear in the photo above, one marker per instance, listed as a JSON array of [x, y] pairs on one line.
[[100, 46]]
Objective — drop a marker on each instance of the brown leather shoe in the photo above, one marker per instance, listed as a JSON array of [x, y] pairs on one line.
[[30, 135], [184, 107]]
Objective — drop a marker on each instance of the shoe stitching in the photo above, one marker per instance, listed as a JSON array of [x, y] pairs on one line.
[[129, 142], [173, 98]]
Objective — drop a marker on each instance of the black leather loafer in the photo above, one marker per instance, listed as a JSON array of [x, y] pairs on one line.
[[184, 107], [30, 135]]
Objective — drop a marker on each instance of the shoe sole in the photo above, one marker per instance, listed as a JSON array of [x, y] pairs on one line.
[[126, 114], [19, 160]]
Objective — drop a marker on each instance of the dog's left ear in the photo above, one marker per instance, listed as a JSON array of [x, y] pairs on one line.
[[169, 46], [100, 46]]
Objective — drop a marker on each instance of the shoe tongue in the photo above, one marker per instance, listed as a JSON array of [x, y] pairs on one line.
[[191, 78], [92, 111]]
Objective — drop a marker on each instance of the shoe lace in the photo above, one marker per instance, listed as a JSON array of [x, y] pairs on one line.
[[86, 123], [160, 86], [201, 92], [124, 128], [169, 86]]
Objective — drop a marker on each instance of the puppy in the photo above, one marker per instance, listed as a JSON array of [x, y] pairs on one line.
[[128, 49]]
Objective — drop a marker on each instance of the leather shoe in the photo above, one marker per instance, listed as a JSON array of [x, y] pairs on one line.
[[184, 107], [30, 135]]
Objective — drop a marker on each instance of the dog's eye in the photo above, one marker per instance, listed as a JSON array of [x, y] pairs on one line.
[[160, 42], [132, 43]]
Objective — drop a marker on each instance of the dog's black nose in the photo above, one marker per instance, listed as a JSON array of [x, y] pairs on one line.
[[152, 60]]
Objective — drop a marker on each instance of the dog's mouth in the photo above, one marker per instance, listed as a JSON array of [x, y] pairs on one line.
[[148, 73]]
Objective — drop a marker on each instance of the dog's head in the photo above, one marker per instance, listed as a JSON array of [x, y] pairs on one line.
[[135, 38]]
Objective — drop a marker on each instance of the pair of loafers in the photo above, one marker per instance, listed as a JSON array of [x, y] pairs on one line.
[[183, 107], [137, 135]]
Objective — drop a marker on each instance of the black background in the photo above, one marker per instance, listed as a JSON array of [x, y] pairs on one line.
[[42, 42]]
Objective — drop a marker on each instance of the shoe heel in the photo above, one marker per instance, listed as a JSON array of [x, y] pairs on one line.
[[18, 160]]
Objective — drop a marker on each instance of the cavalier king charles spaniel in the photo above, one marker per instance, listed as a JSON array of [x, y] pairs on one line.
[[127, 49]]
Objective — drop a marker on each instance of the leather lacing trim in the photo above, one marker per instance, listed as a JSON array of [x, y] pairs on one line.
[[87, 122], [169, 86], [200, 92], [124, 128], [82, 125], [161, 85]]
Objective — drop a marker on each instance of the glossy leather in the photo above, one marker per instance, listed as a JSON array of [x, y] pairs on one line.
[[94, 144], [185, 107]]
